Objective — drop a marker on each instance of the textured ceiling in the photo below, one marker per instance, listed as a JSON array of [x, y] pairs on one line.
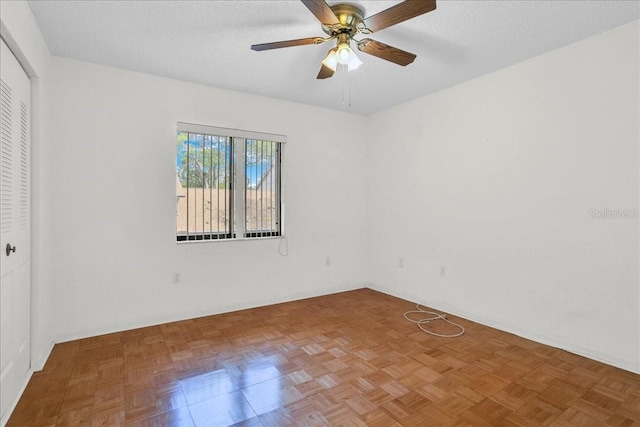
[[208, 42]]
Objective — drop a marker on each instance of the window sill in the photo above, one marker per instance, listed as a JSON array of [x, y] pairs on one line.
[[241, 239]]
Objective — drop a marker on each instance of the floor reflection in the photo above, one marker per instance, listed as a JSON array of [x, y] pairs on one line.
[[235, 393], [223, 410]]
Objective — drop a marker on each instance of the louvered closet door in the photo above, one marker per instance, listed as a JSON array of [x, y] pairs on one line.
[[15, 224]]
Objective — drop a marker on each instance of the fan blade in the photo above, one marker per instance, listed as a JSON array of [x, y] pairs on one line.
[[401, 12], [325, 72], [322, 11], [386, 52], [287, 43]]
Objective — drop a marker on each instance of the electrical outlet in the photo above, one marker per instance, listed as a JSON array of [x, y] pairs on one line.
[[443, 271], [328, 261], [176, 277], [401, 262]]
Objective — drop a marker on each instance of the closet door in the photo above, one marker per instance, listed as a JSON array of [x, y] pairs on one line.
[[15, 228]]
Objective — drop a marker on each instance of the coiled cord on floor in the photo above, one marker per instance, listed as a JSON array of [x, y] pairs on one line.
[[436, 316]]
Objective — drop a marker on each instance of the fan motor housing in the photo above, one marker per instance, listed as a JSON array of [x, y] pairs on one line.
[[349, 16]]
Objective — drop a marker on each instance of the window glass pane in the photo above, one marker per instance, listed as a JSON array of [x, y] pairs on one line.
[[203, 186], [262, 188]]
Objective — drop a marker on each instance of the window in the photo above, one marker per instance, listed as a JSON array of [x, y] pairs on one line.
[[228, 183]]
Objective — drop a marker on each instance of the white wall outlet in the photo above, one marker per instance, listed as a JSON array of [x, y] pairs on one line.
[[327, 261], [176, 277], [401, 262], [443, 271]]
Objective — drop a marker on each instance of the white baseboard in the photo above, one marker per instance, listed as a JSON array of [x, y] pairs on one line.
[[12, 407], [192, 314], [627, 365], [37, 363]]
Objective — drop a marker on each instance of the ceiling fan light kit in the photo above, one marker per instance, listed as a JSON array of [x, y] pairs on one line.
[[344, 52], [354, 63], [342, 55], [342, 22], [331, 61]]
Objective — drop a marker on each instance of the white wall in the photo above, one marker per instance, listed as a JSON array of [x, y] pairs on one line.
[[495, 179], [20, 31], [114, 133]]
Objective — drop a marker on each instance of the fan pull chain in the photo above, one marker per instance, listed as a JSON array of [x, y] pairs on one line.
[[344, 84], [346, 87]]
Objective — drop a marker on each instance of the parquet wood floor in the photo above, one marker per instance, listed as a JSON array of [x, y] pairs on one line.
[[348, 359]]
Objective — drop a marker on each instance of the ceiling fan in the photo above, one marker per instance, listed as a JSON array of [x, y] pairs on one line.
[[342, 22]]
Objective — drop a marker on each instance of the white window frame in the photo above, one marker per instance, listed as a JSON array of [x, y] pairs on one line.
[[239, 138]]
